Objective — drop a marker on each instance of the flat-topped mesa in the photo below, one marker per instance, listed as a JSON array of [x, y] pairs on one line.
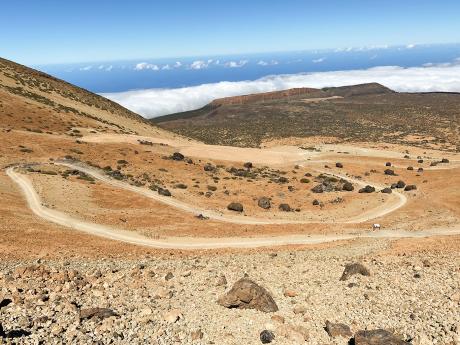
[[267, 96], [358, 90]]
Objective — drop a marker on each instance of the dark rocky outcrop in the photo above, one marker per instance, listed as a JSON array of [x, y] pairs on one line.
[[235, 206], [410, 187], [246, 294], [387, 190], [355, 268], [400, 184], [318, 188]]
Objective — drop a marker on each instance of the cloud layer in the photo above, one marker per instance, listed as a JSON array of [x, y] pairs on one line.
[[156, 102]]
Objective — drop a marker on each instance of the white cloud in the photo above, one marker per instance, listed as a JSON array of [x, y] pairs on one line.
[[267, 63], [199, 64], [410, 46], [236, 64], [145, 65], [166, 67], [86, 68], [177, 64], [319, 60], [156, 102], [109, 68]]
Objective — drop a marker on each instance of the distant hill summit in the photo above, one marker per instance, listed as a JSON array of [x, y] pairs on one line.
[[365, 112]]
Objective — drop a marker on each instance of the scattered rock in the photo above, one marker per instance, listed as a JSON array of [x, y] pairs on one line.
[[388, 164], [318, 188], [264, 203], [410, 187], [177, 156], [99, 313], [221, 281], [246, 294], [352, 269], [266, 336], [285, 208], [172, 316], [163, 191], [387, 190], [338, 165], [347, 186], [315, 202], [304, 180], [235, 206], [377, 337], [197, 334], [248, 165], [410, 168], [290, 293], [400, 184], [338, 330], [367, 189], [444, 160], [389, 172]]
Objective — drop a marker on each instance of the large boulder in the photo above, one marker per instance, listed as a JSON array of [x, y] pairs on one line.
[[235, 206], [266, 336], [400, 184], [246, 294], [355, 268], [264, 203], [377, 337]]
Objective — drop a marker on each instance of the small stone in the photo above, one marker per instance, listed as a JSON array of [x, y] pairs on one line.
[[172, 316], [290, 293], [266, 336], [352, 269], [338, 330], [197, 335]]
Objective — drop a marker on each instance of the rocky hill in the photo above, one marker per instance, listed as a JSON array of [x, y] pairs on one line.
[[367, 112], [34, 101]]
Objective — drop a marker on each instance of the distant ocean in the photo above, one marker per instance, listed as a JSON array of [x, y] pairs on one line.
[[156, 76]]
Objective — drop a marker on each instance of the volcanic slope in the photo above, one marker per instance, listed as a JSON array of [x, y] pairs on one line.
[[359, 113]]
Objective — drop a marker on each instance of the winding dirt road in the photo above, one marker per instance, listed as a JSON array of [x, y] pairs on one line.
[[63, 219]]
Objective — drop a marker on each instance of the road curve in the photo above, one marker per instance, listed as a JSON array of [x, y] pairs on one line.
[[183, 243], [236, 218]]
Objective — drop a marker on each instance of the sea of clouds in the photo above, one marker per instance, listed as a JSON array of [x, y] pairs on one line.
[[156, 102]]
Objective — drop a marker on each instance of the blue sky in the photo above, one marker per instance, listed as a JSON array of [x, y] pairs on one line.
[[46, 31]]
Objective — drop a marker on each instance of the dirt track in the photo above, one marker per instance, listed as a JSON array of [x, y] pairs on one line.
[[60, 218]]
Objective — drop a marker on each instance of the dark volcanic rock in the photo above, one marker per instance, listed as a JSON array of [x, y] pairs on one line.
[[177, 156], [410, 187], [163, 191], [337, 330], [400, 184], [410, 168], [444, 160], [246, 294], [235, 206], [266, 336], [285, 208], [388, 164], [318, 188], [352, 269], [377, 337], [347, 186], [209, 167], [100, 313], [367, 189], [389, 172], [248, 165], [338, 165], [387, 190], [315, 202], [264, 202]]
